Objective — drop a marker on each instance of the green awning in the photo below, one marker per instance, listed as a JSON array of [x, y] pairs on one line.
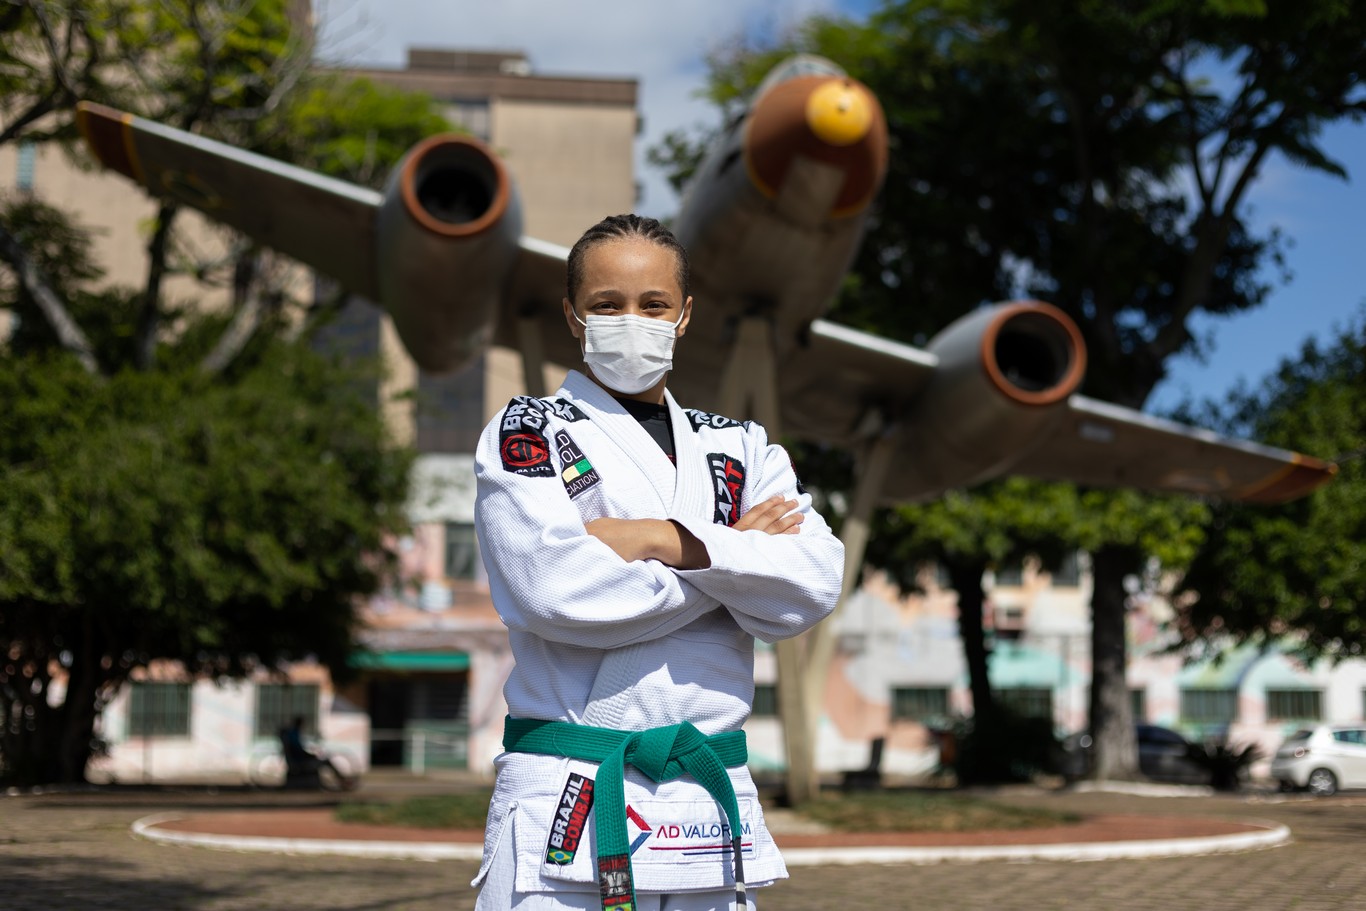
[[1014, 665], [411, 661], [1225, 673]]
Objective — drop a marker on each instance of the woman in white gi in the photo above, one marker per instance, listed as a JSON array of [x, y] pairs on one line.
[[634, 549]]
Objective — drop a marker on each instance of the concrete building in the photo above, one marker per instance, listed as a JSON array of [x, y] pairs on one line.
[[900, 674]]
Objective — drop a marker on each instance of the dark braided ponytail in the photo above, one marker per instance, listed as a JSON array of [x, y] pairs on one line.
[[617, 227]]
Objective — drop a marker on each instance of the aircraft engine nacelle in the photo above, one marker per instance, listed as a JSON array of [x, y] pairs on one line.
[[446, 242], [1003, 378]]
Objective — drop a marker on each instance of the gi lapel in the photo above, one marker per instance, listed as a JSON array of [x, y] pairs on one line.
[[637, 446], [693, 495]]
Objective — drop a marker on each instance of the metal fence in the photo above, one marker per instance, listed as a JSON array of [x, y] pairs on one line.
[[424, 746]]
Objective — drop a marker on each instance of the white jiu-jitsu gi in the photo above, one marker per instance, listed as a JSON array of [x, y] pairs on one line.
[[630, 646]]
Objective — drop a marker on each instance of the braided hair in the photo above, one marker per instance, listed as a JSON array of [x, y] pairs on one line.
[[616, 227]]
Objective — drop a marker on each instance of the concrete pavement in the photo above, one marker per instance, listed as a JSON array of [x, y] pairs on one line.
[[76, 850]]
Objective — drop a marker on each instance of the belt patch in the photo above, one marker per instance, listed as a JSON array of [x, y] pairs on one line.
[[571, 819], [614, 883]]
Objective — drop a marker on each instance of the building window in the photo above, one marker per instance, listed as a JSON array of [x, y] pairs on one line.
[[1206, 706], [450, 409], [1011, 574], [472, 115], [1294, 705], [1138, 704], [1009, 622], [159, 710], [1068, 573], [278, 704], [462, 551], [765, 701], [919, 703], [28, 161], [1027, 701], [941, 575]]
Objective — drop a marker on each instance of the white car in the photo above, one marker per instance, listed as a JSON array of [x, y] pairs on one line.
[[1322, 759]]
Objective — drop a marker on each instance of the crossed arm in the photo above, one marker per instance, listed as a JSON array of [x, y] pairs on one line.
[[673, 545]]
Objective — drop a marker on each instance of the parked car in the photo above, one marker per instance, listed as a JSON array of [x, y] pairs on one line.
[[1322, 759], [1163, 755]]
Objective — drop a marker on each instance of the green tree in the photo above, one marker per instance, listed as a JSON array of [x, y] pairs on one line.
[[1146, 99], [175, 484], [967, 534], [1047, 150], [1003, 522], [1293, 574]]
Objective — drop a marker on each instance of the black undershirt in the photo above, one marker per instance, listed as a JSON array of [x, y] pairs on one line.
[[655, 419]]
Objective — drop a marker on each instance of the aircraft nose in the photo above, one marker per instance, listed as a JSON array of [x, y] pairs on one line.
[[831, 122], [840, 112]]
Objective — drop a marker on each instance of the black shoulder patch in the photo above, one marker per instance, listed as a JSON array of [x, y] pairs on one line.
[[522, 441], [565, 410], [700, 419]]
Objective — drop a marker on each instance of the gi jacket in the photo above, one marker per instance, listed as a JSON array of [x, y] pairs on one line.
[[631, 646]]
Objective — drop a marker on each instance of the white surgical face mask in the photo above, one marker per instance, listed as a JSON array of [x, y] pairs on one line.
[[629, 353]]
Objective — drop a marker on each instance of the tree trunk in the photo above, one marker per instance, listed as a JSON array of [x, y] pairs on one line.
[[966, 579], [1115, 755], [75, 720], [799, 719]]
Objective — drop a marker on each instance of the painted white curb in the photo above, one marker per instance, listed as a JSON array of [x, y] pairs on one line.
[[1267, 837], [393, 850]]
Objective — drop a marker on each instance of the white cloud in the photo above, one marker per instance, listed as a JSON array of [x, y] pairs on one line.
[[661, 44]]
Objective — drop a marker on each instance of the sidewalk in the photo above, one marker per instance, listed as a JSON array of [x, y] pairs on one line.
[[1097, 836], [74, 849]]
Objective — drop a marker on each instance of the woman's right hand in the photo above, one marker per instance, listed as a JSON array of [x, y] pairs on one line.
[[774, 516]]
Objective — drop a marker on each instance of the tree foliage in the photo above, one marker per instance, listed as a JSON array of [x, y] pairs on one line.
[[175, 483], [1097, 155], [1295, 573]]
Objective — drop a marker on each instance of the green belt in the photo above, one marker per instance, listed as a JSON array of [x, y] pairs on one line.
[[662, 754]]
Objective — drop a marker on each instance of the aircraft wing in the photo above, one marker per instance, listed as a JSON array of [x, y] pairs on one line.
[[535, 291], [326, 223], [1106, 445], [843, 379], [844, 382]]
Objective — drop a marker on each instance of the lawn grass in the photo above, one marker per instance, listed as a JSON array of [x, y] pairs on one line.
[[925, 811], [440, 811], [871, 811]]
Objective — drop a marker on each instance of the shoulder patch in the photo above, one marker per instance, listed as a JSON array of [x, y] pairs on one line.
[[728, 483], [700, 419], [578, 473], [522, 442], [565, 410]]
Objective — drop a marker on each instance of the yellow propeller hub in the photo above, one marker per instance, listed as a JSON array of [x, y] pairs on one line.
[[839, 113]]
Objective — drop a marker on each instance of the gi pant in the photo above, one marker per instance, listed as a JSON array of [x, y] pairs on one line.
[[497, 893]]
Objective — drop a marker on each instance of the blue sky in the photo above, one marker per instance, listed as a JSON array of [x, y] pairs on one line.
[[664, 45], [1322, 216]]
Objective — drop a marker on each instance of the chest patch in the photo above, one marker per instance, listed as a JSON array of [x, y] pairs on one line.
[[565, 411], [522, 443], [728, 482], [578, 474], [701, 419]]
